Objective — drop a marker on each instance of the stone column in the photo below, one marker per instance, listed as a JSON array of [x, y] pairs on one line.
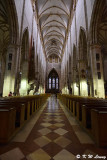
[[2, 72], [24, 78], [97, 71], [75, 81], [82, 78], [10, 70]]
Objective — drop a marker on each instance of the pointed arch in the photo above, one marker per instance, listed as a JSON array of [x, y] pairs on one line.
[[82, 44], [98, 9], [53, 82], [98, 35], [25, 45], [9, 38], [13, 22]]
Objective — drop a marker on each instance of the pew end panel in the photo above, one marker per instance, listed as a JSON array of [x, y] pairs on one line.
[[7, 123], [99, 127]]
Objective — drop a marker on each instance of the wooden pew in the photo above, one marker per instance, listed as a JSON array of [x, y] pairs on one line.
[[7, 123], [27, 104], [20, 111], [88, 102], [95, 120], [86, 113], [99, 127], [14, 111]]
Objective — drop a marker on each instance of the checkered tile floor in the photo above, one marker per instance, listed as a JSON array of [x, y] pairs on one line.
[[54, 136]]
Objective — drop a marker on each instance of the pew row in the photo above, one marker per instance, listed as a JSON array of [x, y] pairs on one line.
[[85, 110], [16, 111]]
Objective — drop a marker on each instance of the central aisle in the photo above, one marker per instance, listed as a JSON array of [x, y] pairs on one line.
[[53, 136]]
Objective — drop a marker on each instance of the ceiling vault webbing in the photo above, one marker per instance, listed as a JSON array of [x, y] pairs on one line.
[[53, 17]]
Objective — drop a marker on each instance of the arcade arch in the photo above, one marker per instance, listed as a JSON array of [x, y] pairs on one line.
[[53, 82]]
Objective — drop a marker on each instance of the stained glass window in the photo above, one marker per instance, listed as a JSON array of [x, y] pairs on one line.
[[49, 83], [49, 86], [53, 81]]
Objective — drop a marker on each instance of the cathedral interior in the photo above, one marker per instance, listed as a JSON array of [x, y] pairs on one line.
[[53, 79]]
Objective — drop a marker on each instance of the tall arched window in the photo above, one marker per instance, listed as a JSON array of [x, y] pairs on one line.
[[53, 81], [49, 83]]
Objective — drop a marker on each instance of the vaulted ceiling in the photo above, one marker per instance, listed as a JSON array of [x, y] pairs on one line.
[[53, 19], [4, 28]]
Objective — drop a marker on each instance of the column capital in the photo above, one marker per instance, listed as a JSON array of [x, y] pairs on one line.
[[15, 46], [97, 46]]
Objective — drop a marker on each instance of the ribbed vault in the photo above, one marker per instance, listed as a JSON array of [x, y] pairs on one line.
[[53, 17]]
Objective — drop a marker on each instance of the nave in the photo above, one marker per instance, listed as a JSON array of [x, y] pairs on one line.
[[52, 133]]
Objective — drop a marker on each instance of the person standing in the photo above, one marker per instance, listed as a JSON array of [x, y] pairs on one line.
[[10, 94]]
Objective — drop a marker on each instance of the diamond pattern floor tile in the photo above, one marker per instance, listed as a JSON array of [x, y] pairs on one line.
[[58, 117], [47, 120], [52, 149], [57, 114], [49, 113], [55, 136], [39, 155], [53, 127], [44, 131], [60, 131], [45, 124], [52, 136], [62, 141], [14, 154], [58, 120], [64, 155], [59, 124], [42, 141], [47, 117]]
